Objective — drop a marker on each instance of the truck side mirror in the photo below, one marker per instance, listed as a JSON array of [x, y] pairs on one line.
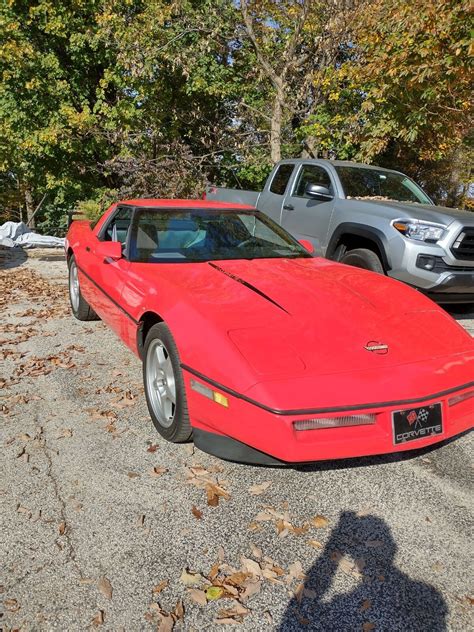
[[318, 192]]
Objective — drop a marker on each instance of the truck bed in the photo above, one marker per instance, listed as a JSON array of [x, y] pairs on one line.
[[239, 196]]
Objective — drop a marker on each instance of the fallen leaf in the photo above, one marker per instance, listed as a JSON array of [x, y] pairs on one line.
[[159, 587], [256, 552], [64, 433], [166, 622], [251, 566], [251, 588], [132, 475], [105, 587], [179, 610], [319, 522], [98, 619], [152, 448], [214, 592], [199, 596], [62, 528], [196, 513], [260, 488], [367, 626], [315, 544], [366, 604], [190, 579], [158, 471], [11, 605]]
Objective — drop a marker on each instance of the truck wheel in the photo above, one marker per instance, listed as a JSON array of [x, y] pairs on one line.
[[363, 258]]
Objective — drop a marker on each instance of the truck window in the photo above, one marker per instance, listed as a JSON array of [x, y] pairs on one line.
[[280, 179], [311, 174]]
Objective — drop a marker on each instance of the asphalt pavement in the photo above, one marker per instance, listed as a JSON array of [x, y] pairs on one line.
[[105, 525]]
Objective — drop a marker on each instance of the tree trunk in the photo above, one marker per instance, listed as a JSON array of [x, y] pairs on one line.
[[275, 128], [30, 209]]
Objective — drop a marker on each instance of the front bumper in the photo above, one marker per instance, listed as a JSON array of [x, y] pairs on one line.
[[449, 281], [247, 433]]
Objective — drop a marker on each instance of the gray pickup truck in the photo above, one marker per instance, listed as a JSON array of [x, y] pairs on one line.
[[372, 218]]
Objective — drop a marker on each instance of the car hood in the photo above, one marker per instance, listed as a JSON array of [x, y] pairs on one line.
[[313, 316]]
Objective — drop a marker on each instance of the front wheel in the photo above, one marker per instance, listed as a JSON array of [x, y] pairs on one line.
[[363, 258], [164, 385], [79, 306]]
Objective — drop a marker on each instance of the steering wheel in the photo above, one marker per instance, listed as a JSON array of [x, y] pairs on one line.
[[245, 242]]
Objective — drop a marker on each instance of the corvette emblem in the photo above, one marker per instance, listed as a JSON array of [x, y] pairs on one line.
[[376, 347]]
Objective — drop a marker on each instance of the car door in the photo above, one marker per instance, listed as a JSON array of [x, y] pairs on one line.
[[304, 216], [108, 274], [271, 199]]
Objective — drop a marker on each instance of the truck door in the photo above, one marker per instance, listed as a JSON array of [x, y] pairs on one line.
[[304, 216], [272, 196]]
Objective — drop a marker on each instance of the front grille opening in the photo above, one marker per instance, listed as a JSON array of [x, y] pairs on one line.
[[463, 247]]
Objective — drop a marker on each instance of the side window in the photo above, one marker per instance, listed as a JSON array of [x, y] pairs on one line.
[[280, 179], [311, 174], [117, 227]]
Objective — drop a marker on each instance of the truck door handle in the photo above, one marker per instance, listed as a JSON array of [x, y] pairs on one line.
[[288, 207]]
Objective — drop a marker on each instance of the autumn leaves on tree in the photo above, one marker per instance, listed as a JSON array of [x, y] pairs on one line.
[[104, 100]]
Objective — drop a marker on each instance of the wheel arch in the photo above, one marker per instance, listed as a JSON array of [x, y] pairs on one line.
[[353, 236], [146, 322]]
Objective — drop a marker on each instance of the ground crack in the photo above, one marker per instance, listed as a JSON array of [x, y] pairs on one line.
[[70, 548]]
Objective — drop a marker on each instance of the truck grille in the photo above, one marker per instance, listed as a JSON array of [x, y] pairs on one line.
[[463, 247]]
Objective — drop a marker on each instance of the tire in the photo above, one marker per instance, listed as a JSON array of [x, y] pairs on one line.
[[363, 258], [166, 400], [79, 306]]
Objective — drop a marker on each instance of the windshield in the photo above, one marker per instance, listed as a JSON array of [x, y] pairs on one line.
[[379, 184], [179, 236]]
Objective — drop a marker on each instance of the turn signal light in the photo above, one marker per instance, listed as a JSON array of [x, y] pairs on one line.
[[334, 422], [219, 398], [457, 399]]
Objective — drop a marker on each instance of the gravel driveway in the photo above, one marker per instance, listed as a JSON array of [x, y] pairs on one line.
[[105, 525]]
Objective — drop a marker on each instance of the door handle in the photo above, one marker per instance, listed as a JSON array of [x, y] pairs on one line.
[[288, 207]]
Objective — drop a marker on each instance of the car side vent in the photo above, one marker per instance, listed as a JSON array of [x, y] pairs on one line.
[[248, 285], [463, 247]]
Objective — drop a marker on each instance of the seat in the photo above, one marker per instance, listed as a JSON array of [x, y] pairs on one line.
[[146, 242]]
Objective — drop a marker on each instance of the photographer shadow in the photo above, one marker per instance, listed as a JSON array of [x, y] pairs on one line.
[[385, 598]]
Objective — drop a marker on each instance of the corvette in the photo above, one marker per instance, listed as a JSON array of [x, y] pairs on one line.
[[261, 352]]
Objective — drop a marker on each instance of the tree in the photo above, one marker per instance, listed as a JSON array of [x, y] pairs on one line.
[[415, 69]]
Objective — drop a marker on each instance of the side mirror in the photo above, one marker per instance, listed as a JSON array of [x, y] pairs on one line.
[[318, 192], [307, 245], [109, 250]]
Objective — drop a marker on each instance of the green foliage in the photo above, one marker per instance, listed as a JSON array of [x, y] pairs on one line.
[[131, 98]]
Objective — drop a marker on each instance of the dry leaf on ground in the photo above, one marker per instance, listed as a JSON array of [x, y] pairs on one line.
[[105, 587], [260, 488]]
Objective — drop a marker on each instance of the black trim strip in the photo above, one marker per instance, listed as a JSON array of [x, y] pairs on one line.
[[247, 284], [107, 295], [318, 411]]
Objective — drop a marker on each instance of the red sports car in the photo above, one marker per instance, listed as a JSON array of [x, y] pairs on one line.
[[260, 351]]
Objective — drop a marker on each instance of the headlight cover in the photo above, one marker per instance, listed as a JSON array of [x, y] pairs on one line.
[[419, 231]]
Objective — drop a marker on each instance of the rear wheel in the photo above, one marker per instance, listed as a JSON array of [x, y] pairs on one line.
[[363, 258], [79, 306], [164, 385]]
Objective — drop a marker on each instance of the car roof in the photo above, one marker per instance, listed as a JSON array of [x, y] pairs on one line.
[[168, 204]]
